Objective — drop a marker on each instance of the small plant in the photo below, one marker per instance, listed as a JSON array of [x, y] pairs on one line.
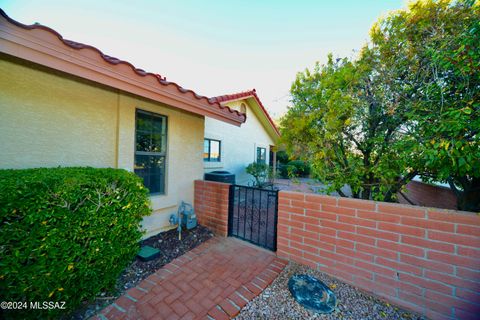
[[66, 234], [260, 172]]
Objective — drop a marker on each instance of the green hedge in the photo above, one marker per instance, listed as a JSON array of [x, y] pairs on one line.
[[296, 168], [66, 233]]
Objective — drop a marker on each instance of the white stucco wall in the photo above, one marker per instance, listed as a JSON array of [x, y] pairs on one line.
[[239, 144]]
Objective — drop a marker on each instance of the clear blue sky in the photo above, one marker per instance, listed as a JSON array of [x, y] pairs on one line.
[[215, 47]]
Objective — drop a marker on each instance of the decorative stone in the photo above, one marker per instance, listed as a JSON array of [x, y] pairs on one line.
[[148, 253], [312, 293]]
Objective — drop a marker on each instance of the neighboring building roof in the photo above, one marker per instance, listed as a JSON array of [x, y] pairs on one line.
[[245, 95], [45, 46]]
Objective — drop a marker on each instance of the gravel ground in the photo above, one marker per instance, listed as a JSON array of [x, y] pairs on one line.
[[170, 248], [276, 302]]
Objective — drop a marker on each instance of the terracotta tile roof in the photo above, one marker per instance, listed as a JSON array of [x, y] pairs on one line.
[[246, 94], [135, 71]]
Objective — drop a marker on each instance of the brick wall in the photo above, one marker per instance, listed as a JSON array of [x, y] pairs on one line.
[[424, 259], [423, 194], [211, 205]]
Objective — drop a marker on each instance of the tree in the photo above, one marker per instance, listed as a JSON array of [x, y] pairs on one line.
[[432, 53], [346, 121]]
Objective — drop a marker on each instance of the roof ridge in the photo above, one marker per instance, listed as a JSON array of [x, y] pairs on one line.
[[244, 94], [115, 61]]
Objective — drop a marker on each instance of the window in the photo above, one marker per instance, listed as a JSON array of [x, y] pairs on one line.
[[261, 155], [151, 150], [211, 150]]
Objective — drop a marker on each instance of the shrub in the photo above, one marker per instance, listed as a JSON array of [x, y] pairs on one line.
[[66, 233], [287, 171], [302, 168], [282, 157], [259, 171]]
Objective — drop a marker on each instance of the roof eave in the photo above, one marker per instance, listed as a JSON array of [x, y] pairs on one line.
[[45, 46]]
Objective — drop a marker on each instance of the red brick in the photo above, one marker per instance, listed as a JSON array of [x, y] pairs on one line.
[[469, 230], [468, 274], [427, 284], [469, 252], [229, 308], [179, 308], [284, 201], [356, 204], [451, 301], [375, 268], [291, 195], [469, 295], [378, 216], [355, 254], [217, 314], [337, 225], [389, 254], [321, 199], [338, 210], [305, 219], [401, 210], [453, 259], [378, 234], [427, 264], [458, 217], [373, 286], [321, 215], [124, 302], [428, 224], [354, 270], [403, 286], [239, 301], [246, 293], [356, 238], [402, 267], [310, 205], [293, 210], [414, 251], [401, 229], [435, 245], [451, 280], [357, 221], [253, 288], [136, 293], [454, 238], [337, 241]]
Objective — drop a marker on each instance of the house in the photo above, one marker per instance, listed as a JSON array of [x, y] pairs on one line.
[[232, 149], [64, 103]]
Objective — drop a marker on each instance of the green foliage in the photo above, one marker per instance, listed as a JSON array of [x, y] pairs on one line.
[[66, 233], [302, 168], [432, 51], [343, 122], [409, 104], [282, 157], [260, 172]]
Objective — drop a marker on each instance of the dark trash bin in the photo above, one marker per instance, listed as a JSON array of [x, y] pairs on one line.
[[220, 176]]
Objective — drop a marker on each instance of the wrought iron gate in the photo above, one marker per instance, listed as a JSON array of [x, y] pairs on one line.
[[252, 215]]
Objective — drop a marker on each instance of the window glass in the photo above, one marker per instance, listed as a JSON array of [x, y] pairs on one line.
[[150, 150], [212, 150], [261, 155]]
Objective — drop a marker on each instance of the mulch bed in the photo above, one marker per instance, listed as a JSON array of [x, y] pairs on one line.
[[276, 302], [170, 248]]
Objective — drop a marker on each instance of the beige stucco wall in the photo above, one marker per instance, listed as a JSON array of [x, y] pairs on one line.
[[239, 144], [48, 119]]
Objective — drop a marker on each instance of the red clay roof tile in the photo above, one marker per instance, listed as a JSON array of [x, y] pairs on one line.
[[115, 61]]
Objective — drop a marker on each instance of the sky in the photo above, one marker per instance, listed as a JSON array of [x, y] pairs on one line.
[[215, 47]]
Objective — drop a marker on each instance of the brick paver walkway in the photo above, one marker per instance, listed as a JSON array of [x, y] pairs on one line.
[[213, 281]]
